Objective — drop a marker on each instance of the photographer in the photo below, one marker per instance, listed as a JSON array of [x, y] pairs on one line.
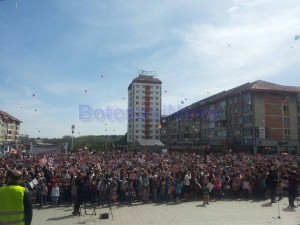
[[79, 182]]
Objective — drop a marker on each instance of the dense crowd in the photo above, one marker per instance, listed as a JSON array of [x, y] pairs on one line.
[[126, 177]]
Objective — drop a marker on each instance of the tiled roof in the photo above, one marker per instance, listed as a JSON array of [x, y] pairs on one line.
[[6, 115], [264, 85]]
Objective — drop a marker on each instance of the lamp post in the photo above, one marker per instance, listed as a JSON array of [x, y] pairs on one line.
[[72, 128]]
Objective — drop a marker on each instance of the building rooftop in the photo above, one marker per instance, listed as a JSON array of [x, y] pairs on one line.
[[6, 116], [255, 86], [146, 77]]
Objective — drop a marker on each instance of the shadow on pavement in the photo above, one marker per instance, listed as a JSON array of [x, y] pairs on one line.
[[289, 209], [59, 218], [269, 204]]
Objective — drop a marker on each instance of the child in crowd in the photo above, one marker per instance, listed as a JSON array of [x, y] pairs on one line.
[[178, 189], [55, 195], [130, 192], [246, 189], [205, 191]]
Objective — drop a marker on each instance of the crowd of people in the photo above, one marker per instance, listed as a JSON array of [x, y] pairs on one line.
[[126, 177]]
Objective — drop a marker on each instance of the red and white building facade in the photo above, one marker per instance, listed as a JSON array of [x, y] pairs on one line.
[[144, 107]]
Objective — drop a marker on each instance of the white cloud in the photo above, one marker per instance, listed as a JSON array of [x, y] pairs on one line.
[[198, 49]]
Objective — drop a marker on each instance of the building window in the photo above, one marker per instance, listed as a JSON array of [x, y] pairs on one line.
[[286, 120], [156, 98], [157, 87], [136, 131], [285, 108], [248, 131], [137, 86], [136, 137], [137, 97], [135, 103], [287, 132], [248, 119], [137, 91]]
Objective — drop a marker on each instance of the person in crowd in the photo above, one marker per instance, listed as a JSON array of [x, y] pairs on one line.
[[246, 188], [130, 192], [40, 187], [294, 182], [113, 190], [186, 185], [280, 189], [146, 187], [155, 187], [55, 192], [101, 186], [206, 191], [80, 193], [178, 189], [73, 188], [272, 183], [15, 201]]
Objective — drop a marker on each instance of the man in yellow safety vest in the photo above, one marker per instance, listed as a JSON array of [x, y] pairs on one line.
[[15, 202]]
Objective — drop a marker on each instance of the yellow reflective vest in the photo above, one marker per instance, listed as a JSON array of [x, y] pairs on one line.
[[11, 205]]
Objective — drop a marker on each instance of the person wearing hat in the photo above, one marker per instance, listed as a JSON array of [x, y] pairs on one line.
[[15, 201]]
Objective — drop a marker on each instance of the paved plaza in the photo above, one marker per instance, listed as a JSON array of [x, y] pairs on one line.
[[225, 212]]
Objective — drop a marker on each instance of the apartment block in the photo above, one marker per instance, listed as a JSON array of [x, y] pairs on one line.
[[257, 117], [144, 107], [9, 128]]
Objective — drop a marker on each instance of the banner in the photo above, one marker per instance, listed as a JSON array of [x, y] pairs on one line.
[[48, 148]]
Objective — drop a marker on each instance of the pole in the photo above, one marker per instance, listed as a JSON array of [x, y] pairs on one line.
[[72, 128], [278, 211]]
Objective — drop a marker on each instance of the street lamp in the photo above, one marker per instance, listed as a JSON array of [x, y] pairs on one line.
[[72, 128]]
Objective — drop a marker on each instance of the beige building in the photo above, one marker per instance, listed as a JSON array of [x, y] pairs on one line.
[[257, 117], [9, 128]]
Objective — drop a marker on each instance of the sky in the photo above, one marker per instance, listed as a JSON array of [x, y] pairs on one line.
[[64, 60]]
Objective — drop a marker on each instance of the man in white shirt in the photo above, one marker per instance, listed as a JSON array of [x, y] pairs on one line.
[[186, 185]]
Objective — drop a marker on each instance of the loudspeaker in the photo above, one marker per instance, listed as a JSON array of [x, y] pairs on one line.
[[104, 216]]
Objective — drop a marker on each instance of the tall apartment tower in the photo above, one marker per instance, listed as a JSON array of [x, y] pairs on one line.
[[144, 107]]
